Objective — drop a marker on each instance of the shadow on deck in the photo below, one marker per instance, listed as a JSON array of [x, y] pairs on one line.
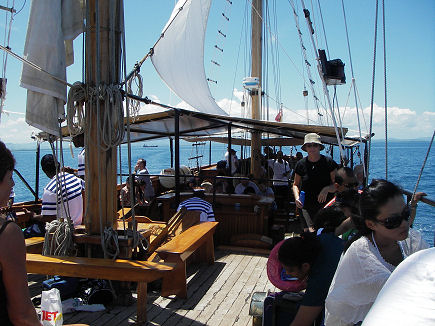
[[218, 294]]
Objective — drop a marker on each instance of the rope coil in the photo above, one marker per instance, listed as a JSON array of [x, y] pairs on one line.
[[58, 238], [75, 109], [135, 105], [111, 129]]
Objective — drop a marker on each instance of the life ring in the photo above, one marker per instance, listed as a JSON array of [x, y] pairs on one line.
[[274, 269], [167, 179]]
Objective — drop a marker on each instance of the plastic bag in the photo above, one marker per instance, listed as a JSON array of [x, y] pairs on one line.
[[51, 308]]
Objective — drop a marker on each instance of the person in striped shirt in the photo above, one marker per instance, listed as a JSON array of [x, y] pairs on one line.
[[63, 192], [197, 203]]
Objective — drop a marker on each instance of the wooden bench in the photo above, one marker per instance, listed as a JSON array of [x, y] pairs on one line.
[[141, 272], [181, 247], [34, 245]]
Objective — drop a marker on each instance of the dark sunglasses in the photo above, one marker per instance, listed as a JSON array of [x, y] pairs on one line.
[[311, 145], [394, 221]]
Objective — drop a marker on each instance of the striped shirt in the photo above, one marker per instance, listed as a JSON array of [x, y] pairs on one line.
[[69, 190], [198, 204], [81, 163]]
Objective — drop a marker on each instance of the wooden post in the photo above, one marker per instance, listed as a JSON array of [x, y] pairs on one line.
[[256, 52], [100, 172]]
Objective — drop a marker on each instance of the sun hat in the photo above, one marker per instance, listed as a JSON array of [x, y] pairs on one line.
[[274, 270], [312, 138]]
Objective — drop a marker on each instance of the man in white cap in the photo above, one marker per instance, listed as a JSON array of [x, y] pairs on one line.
[[314, 174]]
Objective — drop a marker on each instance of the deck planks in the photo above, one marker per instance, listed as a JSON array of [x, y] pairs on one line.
[[217, 294]]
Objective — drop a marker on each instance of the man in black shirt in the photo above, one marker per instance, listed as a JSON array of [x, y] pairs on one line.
[[314, 175]]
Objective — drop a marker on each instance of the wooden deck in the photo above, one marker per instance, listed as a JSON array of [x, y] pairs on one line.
[[219, 294]]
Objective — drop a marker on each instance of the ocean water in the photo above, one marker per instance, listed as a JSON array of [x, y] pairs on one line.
[[405, 159]]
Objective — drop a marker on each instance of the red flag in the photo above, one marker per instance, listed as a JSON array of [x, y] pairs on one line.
[[279, 116]]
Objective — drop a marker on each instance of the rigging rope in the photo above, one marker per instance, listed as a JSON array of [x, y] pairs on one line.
[[422, 167], [58, 239], [237, 64], [124, 66], [33, 65], [219, 41], [135, 105], [7, 38], [75, 109], [353, 84], [385, 90], [343, 158], [373, 90], [61, 229], [307, 64], [323, 27], [150, 53]]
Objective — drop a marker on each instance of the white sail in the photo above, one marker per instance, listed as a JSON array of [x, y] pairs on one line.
[[179, 56]]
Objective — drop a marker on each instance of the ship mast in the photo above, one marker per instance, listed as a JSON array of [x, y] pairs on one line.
[[102, 68], [256, 55]]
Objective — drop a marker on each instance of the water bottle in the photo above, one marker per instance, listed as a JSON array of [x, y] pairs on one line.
[[302, 197]]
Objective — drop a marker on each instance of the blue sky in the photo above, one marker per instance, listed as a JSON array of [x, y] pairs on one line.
[[410, 30]]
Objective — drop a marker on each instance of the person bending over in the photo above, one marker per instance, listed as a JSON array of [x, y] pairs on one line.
[[198, 203], [314, 259]]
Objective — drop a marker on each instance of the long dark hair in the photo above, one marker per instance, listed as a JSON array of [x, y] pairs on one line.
[[298, 250], [7, 161], [376, 195]]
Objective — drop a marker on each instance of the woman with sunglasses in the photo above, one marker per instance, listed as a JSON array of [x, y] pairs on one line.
[[384, 240]]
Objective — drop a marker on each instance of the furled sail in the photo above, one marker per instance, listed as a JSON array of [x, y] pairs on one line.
[[179, 56]]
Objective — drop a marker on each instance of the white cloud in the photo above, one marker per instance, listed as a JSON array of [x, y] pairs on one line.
[[14, 129], [403, 123]]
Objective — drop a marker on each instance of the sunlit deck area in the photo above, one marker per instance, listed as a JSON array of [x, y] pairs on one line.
[[217, 294]]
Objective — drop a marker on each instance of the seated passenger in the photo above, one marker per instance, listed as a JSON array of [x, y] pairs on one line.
[[63, 192], [348, 202], [125, 194], [244, 183], [384, 241], [208, 187], [314, 259], [328, 219], [265, 190], [198, 203]]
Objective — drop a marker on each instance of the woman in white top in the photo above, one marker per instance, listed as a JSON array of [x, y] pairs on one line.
[[385, 240]]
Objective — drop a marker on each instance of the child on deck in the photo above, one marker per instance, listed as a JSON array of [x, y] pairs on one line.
[[315, 259]]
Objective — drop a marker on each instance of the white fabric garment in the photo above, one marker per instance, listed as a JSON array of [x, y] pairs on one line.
[[145, 176], [81, 163], [408, 297], [359, 277], [234, 162], [52, 27], [179, 56], [279, 169]]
